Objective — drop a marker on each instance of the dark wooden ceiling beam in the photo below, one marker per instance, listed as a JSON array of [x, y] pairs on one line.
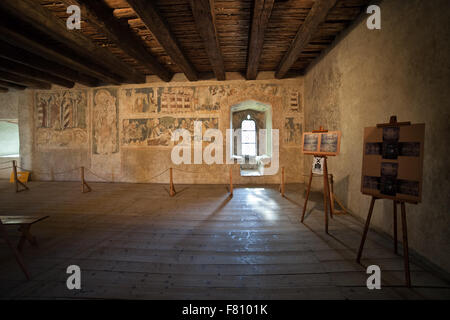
[[4, 89], [11, 85], [150, 16], [24, 81], [203, 11], [43, 20], [316, 16], [29, 59], [20, 69], [57, 55], [98, 14], [261, 15]]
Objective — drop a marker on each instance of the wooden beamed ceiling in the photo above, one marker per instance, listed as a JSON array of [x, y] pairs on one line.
[[122, 41]]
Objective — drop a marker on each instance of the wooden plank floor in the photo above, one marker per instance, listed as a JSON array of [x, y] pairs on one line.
[[132, 241]]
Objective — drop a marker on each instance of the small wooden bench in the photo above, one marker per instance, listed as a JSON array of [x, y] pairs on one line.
[[24, 223]]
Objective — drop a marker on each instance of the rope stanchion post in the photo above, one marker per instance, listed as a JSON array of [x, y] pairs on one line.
[[15, 176], [17, 182], [282, 182], [84, 186], [231, 182], [172, 191]]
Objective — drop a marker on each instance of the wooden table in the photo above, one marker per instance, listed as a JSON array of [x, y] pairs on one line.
[[24, 223]]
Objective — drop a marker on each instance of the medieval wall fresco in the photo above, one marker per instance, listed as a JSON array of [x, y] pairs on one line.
[[124, 133], [293, 122], [293, 100], [169, 100], [293, 130], [61, 119], [105, 129], [158, 131]]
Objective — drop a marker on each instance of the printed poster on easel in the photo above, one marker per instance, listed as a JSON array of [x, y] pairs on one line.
[[321, 143], [393, 162], [317, 165]]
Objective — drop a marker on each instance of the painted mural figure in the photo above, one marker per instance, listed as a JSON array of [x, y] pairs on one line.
[[293, 131], [105, 123]]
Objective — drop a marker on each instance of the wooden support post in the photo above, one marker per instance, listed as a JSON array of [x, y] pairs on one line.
[[172, 191], [231, 181], [282, 182], [366, 229], [405, 246], [395, 227], [84, 186], [307, 195], [16, 180]]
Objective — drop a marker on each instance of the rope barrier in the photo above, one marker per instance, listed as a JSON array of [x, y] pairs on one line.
[[84, 184], [195, 172], [160, 174], [108, 180], [49, 173], [316, 175], [96, 175], [71, 170]]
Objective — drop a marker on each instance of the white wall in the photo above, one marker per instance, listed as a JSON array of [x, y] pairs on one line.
[[404, 70]]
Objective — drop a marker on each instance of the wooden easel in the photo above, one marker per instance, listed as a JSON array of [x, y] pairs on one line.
[[392, 122], [404, 232], [17, 182], [326, 192]]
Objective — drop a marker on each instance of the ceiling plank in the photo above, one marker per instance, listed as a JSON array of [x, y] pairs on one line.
[[20, 69], [315, 17], [65, 58], [149, 14], [102, 18], [261, 15], [24, 81], [11, 85], [43, 20], [4, 89], [24, 57], [203, 11]]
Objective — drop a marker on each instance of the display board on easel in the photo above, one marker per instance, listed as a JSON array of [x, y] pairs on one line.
[[393, 162], [392, 169], [321, 144]]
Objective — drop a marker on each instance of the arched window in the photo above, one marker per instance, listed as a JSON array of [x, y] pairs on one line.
[[248, 141]]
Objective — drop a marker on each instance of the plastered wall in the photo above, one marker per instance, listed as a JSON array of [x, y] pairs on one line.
[[122, 133], [402, 69]]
